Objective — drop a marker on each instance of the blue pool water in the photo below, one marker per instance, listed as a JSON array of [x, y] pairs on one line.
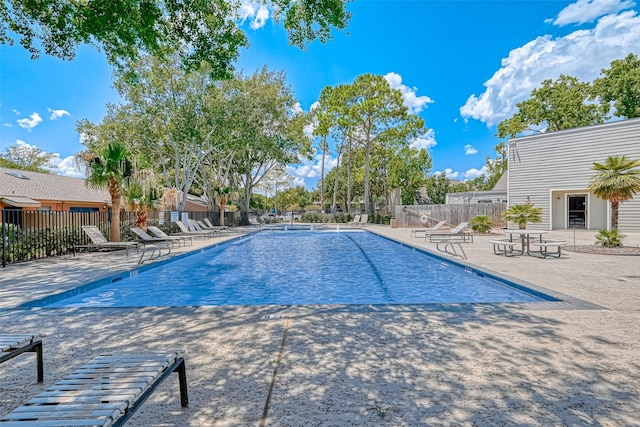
[[301, 267]]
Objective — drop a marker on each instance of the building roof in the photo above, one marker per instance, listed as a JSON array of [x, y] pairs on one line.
[[43, 186], [501, 185]]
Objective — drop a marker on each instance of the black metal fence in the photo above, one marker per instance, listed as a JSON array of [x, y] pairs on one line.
[[28, 235]]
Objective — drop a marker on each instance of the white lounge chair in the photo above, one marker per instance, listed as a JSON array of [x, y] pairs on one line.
[[456, 233], [355, 221], [364, 220], [414, 233]]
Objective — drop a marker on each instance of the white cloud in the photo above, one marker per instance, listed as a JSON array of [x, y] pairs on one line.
[[449, 173], [29, 124], [468, 150], [474, 173], [56, 114], [67, 166], [583, 11], [16, 112], [582, 54], [298, 182], [312, 169], [413, 102], [427, 141], [9, 125], [255, 12]]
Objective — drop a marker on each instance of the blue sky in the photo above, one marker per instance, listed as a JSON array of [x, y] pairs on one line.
[[462, 65]]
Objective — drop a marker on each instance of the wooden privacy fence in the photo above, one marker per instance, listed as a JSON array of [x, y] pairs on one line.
[[412, 215]]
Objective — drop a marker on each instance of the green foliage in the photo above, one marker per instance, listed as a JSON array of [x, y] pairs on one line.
[[380, 219], [408, 170], [560, 104], [109, 168], [24, 246], [617, 180], [368, 116], [620, 85], [481, 224], [495, 169], [205, 31], [609, 238], [259, 202], [26, 157], [437, 187], [523, 214]]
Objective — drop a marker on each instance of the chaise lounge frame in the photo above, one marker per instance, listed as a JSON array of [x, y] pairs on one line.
[[105, 392], [12, 345]]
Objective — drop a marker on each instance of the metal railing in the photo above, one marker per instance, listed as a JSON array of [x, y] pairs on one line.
[[29, 235]]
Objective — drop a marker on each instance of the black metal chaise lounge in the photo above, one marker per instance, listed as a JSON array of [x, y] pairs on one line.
[[11, 345], [98, 241], [105, 392], [159, 233]]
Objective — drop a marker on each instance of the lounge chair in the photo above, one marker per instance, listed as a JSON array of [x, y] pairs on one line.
[[105, 392], [11, 345], [215, 228], [355, 221], [185, 231], [364, 219], [194, 226], [147, 238], [456, 233], [159, 233], [210, 225], [98, 241], [414, 233]]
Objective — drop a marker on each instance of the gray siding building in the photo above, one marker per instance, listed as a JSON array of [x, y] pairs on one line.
[[553, 171]]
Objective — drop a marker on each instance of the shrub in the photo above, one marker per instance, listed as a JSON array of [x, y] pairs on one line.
[[481, 224], [522, 214], [609, 238]]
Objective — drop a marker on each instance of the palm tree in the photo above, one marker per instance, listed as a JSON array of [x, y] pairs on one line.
[[522, 214], [617, 181], [141, 194], [222, 195], [109, 169]]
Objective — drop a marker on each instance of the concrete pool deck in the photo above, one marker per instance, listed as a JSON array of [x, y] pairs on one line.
[[400, 365]]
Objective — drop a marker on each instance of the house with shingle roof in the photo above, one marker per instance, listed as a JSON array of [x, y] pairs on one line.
[[27, 190]]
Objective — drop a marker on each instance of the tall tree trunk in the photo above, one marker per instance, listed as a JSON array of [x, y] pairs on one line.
[[245, 204], [349, 176], [614, 214], [223, 202], [335, 186], [324, 153], [116, 197], [367, 198]]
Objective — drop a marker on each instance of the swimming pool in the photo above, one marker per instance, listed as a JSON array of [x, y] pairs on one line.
[[301, 267]]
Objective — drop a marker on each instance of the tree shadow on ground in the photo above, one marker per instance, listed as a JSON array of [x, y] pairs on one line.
[[356, 365]]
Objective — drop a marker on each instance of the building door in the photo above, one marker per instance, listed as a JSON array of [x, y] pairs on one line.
[[577, 211]]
